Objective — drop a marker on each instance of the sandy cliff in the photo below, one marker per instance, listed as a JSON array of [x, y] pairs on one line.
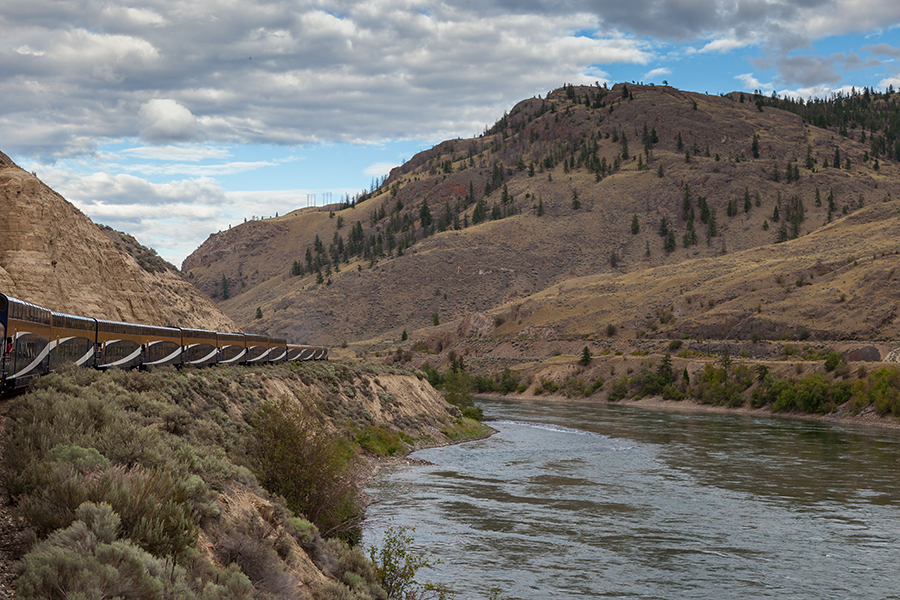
[[53, 255]]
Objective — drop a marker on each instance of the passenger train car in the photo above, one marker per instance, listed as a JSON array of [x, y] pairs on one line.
[[37, 341]]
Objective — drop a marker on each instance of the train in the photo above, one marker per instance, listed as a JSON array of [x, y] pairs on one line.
[[37, 341]]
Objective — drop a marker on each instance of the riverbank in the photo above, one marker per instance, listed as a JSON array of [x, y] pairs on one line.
[[866, 417], [371, 465]]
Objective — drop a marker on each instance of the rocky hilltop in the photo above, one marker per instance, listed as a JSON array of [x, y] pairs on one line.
[[648, 189], [53, 255]]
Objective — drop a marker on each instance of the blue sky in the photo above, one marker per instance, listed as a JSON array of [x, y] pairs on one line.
[[172, 120]]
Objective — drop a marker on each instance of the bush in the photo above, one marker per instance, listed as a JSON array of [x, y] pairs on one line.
[[157, 513], [509, 381], [293, 456], [380, 441], [619, 389], [832, 360], [396, 566], [247, 545], [881, 388], [597, 385], [86, 560], [473, 412]]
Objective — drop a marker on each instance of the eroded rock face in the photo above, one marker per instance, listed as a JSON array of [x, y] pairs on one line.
[[863, 354], [475, 324], [53, 255]]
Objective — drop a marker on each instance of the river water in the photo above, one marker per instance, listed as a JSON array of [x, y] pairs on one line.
[[605, 501]]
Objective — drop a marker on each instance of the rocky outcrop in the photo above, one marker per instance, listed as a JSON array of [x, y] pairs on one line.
[[475, 325], [53, 255], [863, 354]]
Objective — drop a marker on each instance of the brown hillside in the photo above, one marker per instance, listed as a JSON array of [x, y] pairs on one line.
[[549, 152], [53, 255]]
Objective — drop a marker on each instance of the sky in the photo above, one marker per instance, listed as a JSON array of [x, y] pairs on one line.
[[174, 119]]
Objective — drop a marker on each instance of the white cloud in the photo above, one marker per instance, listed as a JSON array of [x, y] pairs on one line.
[[894, 81], [723, 45], [656, 73], [165, 120], [169, 152], [270, 72], [379, 169], [750, 83]]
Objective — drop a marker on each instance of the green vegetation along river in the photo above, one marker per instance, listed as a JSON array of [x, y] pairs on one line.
[[587, 501]]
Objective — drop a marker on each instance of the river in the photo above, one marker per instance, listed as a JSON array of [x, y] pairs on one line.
[[588, 501]]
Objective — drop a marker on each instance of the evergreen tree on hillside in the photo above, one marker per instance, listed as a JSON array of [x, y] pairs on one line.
[[425, 215]]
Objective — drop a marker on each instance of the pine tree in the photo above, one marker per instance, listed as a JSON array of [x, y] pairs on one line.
[[635, 225], [669, 243], [586, 357], [425, 215]]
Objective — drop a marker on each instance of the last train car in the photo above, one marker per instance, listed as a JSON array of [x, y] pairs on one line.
[[302, 353], [26, 329]]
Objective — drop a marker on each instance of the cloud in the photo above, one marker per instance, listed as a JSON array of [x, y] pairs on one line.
[[656, 73], [724, 45], [278, 72], [165, 120], [170, 152], [270, 72], [751, 83], [882, 50], [379, 169]]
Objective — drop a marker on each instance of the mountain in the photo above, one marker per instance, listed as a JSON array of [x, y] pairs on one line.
[[53, 255], [595, 206]]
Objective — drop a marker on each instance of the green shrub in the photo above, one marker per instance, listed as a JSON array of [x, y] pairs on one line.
[[597, 385], [396, 567], [86, 560], [619, 389], [881, 388], [158, 514], [293, 456], [672, 392], [832, 360], [509, 381], [473, 412], [380, 441]]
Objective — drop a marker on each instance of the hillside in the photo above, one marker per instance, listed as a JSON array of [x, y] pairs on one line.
[[569, 193], [53, 255], [212, 483]]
